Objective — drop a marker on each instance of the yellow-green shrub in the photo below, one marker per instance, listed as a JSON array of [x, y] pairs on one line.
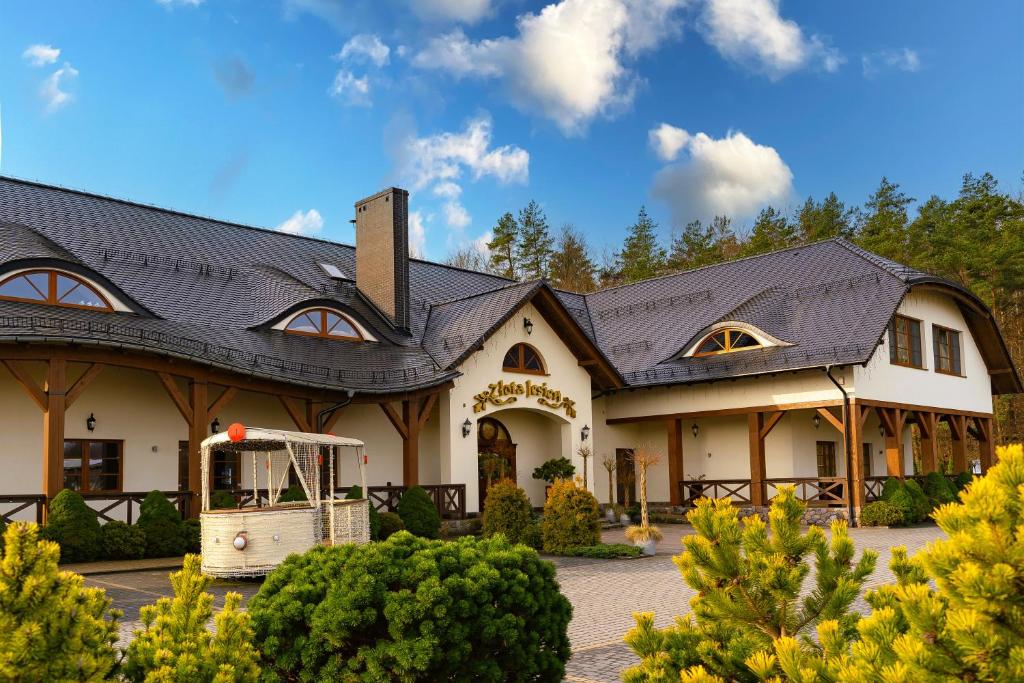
[[572, 518], [507, 511]]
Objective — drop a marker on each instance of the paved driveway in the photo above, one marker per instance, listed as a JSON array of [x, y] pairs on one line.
[[604, 594]]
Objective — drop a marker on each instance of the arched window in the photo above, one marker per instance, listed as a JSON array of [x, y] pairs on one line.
[[324, 322], [727, 341], [523, 358], [55, 288]]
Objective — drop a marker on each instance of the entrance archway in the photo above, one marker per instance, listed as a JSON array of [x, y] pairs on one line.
[[496, 454]]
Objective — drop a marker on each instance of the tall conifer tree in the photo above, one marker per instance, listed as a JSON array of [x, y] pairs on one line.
[[504, 247], [641, 257], [571, 265], [535, 243]]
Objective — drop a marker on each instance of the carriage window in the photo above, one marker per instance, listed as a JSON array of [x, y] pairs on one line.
[[92, 466], [523, 358], [54, 288], [726, 341], [323, 322]]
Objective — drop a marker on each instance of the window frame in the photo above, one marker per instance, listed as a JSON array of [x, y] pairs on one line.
[[894, 339], [828, 452], [728, 332], [866, 452], [236, 457], [521, 367], [958, 356], [84, 476], [324, 332], [51, 290]]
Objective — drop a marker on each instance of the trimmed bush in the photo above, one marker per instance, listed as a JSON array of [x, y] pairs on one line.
[[507, 511], [908, 497], [73, 526], [293, 494], [355, 493], [193, 536], [418, 513], [390, 523], [922, 506], [54, 628], [121, 541], [881, 513], [533, 536], [555, 469], [222, 500], [607, 551], [939, 489], [413, 609], [572, 518], [159, 519], [963, 480]]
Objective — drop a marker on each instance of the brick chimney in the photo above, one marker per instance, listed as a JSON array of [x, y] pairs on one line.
[[382, 252]]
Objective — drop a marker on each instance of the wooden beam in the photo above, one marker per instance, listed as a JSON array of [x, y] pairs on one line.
[[958, 431], [34, 391], [885, 418], [914, 407], [862, 412], [198, 420], [855, 457], [82, 383], [53, 427], [771, 421], [723, 412], [986, 446], [893, 441], [176, 396], [332, 420], [755, 423], [411, 443], [428, 406], [296, 414], [396, 419], [832, 419], [674, 428], [926, 422], [222, 401]]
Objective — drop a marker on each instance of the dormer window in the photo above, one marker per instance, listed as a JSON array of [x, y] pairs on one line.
[[523, 358], [727, 341], [324, 322], [55, 288]]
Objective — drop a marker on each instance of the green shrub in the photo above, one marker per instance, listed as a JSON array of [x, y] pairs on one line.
[[572, 518], [418, 513], [390, 523], [881, 513], [293, 494], [908, 496], [667, 518], [607, 551], [963, 479], [554, 469], [939, 489], [121, 541], [533, 536], [355, 493], [175, 643], [53, 627], [159, 519], [193, 534], [922, 506], [507, 511], [413, 609], [73, 526], [222, 500]]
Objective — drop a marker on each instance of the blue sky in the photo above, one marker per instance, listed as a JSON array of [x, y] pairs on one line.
[[282, 113]]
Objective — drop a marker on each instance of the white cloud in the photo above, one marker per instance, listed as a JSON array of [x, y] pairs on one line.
[[351, 90], [41, 55], [183, 3], [303, 223], [417, 235], [455, 215], [732, 176], [667, 141], [448, 190], [752, 32], [464, 11], [568, 62], [903, 59], [50, 90], [365, 47]]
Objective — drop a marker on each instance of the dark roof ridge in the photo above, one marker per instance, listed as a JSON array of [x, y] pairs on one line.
[[510, 285], [904, 273]]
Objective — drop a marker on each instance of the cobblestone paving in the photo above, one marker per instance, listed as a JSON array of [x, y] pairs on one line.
[[604, 594]]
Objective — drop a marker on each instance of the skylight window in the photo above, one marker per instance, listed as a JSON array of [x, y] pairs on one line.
[[333, 271]]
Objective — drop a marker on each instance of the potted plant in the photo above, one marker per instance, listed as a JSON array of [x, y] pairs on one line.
[[644, 536], [554, 469], [608, 462]]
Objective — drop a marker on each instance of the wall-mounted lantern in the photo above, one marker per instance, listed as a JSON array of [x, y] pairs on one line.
[[816, 420], [585, 432], [215, 425], [695, 429], [528, 325], [90, 422], [881, 430], [467, 427]]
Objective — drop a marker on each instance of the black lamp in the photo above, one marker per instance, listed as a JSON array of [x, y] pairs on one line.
[[467, 427], [215, 425], [695, 429], [881, 429], [585, 432], [528, 325], [90, 422], [817, 420]]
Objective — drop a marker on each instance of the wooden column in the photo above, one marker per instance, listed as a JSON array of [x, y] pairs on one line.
[[856, 419], [53, 427], [958, 433], [674, 427], [411, 443], [197, 390], [892, 422], [929, 443], [755, 425], [986, 445]]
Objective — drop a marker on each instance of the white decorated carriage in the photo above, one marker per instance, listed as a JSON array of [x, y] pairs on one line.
[[253, 540]]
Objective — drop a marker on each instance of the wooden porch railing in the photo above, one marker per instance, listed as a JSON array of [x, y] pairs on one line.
[[103, 504], [814, 491], [736, 489], [22, 502]]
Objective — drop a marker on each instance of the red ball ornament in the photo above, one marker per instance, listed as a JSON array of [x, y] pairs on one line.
[[236, 432]]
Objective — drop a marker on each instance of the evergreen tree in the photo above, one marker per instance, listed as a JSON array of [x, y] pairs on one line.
[[535, 244], [504, 247], [693, 247], [772, 231], [883, 228], [824, 220], [641, 257], [571, 265]]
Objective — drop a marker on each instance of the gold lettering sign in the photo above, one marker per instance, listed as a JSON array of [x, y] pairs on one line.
[[502, 393]]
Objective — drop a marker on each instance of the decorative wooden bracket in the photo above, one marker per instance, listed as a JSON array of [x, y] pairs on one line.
[[832, 419], [82, 383], [176, 396], [34, 391], [770, 421]]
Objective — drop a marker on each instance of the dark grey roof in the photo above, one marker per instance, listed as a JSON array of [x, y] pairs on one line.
[[208, 290]]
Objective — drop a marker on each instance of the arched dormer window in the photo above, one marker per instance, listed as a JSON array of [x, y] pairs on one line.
[[324, 322], [726, 341], [523, 358], [55, 288]]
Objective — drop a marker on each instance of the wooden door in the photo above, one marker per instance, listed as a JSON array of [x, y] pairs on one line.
[[496, 454], [625, 477]]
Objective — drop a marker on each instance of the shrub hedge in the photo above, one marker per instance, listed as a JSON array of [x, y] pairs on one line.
[[418, 513], [122, 542], [607, 551], [908, 496], [74, 527], [572, 518], [390, 523], [963, 479], [159, 519], [881, 513], [507, 511], [413, 609], [193, 534], [939, 489]]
